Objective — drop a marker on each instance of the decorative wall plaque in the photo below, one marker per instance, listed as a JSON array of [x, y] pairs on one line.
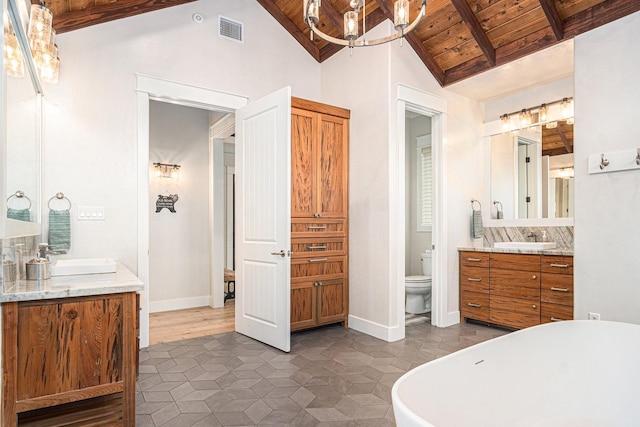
[[166, 202]]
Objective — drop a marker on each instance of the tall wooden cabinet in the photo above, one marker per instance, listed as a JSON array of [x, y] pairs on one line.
[[319, 214]]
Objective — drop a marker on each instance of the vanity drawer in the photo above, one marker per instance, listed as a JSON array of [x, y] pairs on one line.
[[474, 259], [514, 312], [303, 227], [515, 284], [515, 262], [474, 279], [557, 264], [318, 268], [555, 313], [474, 305], [327, 246], [557, 289]]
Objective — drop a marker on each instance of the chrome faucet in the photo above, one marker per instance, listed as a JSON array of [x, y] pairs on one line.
[[534, 235]]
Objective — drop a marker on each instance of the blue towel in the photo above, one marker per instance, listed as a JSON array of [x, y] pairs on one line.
[[19, 214], [59, 230], [477, 230]]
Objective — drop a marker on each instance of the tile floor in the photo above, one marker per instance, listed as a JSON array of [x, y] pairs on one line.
[[332, 377]]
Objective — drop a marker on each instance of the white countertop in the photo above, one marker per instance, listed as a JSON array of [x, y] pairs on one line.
[[556, 251], [122, 280]]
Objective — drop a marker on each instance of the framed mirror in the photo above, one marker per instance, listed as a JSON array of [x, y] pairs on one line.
[[21, 209], [532, 172]]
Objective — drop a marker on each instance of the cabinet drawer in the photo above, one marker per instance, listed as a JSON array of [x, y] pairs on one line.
[[555, 313], [329, 246], [474, 305], [557, 264], [515, 262], [515, 284], [301, 227], [474, 259], [557, 289], [318, 268], [514, 312], [474, 279]]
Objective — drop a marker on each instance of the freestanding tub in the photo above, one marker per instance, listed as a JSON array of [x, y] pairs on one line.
[[572, 374]]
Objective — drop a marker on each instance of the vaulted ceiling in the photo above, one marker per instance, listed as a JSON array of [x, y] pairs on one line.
[[455, 40]]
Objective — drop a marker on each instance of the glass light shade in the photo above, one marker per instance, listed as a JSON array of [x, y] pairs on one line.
[[313, 10], [50, 71], [13, 61], [570, 121], [543, 113], [566, 107], [525, 118], [351, 25], [401, 14], [40, 22], [551, 125], [506, 122]]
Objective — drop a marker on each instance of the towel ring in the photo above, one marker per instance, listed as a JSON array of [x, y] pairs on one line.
[[59, 196], [478, 202], [19, 195]]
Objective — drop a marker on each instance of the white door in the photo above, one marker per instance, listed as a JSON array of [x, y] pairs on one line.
[[263, 219]]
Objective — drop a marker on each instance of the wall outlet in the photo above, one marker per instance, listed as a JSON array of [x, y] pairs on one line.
[[594, 316]]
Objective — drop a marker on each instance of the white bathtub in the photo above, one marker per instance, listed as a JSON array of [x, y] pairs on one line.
[[571, 374]]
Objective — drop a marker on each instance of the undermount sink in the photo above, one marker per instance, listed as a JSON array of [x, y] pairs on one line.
[[525, 245], [70, 267]]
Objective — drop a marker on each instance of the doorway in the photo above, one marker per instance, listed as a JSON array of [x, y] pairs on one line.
[[155, 89]]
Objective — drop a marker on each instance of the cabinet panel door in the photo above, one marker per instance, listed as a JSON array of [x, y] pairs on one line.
[[303, 305], [514, 312], [474, 279], [303, 164], [515, 262], [332, 166], [515, 284], [331, 301], [474, 305]]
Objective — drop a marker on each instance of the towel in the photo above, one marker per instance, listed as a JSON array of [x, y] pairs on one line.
[[19, 214], [477, 230], [59, 230]]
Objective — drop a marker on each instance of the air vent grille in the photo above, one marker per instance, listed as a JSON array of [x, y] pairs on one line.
[[230, 29]]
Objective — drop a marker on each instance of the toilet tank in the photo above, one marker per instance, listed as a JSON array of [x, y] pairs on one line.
[[425, 260]]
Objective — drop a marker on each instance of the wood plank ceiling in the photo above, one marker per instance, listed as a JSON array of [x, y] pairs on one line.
[[456, 40]]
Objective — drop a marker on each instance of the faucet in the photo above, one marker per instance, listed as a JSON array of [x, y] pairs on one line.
[[43, 251], [534, 235]]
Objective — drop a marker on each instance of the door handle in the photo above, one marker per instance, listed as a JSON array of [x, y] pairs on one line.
[[282, 253]]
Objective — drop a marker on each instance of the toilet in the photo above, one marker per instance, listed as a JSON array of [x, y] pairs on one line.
[[418, 288]]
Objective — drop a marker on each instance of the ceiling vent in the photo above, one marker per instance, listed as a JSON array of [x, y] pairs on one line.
[[230, 29]]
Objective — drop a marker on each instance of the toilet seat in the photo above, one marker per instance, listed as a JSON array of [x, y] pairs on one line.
[[417, 281]]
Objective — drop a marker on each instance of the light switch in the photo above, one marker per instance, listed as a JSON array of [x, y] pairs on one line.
[[91, 213]]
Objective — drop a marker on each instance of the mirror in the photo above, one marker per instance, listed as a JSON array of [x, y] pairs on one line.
[[532, 173], [23, 118]]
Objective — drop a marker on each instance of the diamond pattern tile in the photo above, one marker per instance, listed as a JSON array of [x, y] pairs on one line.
[[332, 376]]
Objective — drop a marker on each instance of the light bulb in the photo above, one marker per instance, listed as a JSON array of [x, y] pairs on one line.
[[543, 113]]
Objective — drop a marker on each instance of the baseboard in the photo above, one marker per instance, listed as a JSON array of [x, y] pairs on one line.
[[450, 319], [385, 333], [179, 304]]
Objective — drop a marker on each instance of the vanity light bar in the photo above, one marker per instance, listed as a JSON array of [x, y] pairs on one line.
[[525, 117]]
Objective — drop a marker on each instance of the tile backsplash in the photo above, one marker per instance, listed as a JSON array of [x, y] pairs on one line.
[[562, 235]]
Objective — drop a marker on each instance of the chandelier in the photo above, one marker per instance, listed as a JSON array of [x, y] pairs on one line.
[[311, 10]]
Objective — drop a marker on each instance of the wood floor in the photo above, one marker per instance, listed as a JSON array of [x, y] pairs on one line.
[[178, 325]]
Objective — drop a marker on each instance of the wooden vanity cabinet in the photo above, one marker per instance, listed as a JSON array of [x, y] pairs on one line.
[[556, 288], [515, 290], [319, 214], [71, 359]]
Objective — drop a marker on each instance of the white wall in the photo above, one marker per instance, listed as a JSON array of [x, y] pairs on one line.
[[371, 96], [90, 124], [179, 254], [607, 90]]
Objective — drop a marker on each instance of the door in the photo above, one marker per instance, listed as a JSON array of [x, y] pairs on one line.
[[263, 219]]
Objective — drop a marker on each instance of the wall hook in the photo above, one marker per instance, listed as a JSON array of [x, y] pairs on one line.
[[638, 156], [603, 162]]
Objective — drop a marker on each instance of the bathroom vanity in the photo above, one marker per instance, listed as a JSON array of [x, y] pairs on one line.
[[516, 290], [70, 350]]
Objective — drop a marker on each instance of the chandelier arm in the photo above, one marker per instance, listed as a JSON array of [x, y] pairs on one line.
[[360, 43]]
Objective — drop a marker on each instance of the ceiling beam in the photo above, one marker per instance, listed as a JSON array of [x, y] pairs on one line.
[[600, 14], [82, 18], [564, 139], [551, 12], [471, 20], [337, 21], [292, 28]]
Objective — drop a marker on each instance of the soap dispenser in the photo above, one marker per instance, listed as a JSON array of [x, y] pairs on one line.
[[39, 268], [543, 237]]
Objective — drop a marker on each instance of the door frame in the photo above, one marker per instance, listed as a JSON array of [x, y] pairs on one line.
[[421, 102], [149, 88]]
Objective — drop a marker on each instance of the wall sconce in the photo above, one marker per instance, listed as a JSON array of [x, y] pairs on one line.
[[165, 170]]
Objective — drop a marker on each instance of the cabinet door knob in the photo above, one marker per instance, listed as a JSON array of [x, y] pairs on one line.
[[534, 277], [534, 306]]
